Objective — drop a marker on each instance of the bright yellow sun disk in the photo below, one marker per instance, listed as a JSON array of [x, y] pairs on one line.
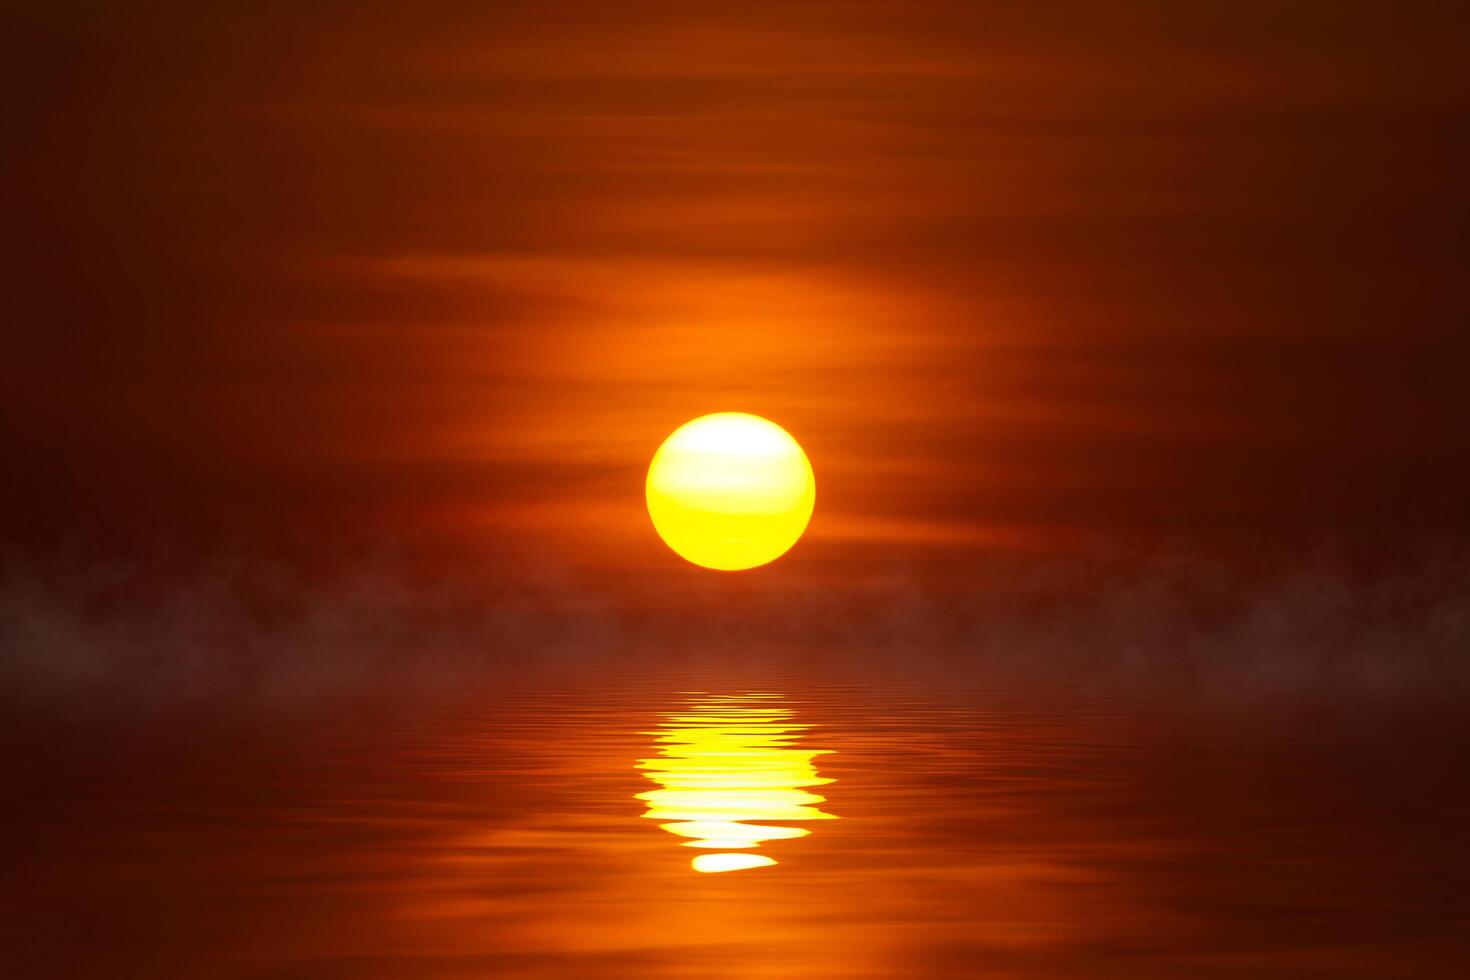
[[730, 491]]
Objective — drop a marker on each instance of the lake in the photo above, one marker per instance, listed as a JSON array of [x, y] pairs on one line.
[[707, 817]]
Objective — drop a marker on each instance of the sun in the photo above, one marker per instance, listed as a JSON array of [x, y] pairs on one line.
[[730, 491]]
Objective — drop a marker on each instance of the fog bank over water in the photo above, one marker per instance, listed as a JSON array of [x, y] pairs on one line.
[[93, 640]]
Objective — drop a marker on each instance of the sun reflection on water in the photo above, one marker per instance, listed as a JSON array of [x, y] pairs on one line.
[[729, 774]]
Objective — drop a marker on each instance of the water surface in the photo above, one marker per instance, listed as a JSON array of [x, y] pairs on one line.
[[856, 823]]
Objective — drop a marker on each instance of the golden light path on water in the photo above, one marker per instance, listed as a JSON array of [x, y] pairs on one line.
[[730, 775]]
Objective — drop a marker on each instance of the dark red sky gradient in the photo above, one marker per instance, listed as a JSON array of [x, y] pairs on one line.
[[1017, 275]]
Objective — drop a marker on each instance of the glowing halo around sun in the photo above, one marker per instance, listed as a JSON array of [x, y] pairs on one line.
[[730, 491]]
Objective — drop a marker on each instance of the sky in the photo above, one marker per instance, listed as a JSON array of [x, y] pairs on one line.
[[1021, 278]]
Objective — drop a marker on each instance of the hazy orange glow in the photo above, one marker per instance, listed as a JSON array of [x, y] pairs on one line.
[[730, 491], [727, 766]]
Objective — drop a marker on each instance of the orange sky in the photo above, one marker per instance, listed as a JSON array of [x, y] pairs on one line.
[[1017, 276]]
